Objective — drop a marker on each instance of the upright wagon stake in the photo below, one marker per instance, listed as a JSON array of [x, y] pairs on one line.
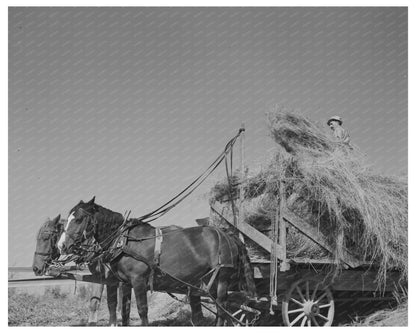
[[242, 170], [273, 266], [284, 265]]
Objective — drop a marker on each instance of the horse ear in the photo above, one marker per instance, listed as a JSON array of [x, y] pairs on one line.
[[81, 202], [92, 200], [56, 219]]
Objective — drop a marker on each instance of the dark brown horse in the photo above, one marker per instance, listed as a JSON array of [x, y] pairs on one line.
[[196, 261], [47, 251]]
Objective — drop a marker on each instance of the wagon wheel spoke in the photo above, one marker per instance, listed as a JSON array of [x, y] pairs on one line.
[[325, 306], [315, 290], [309, 322], [307, 290], [303, 321], [321, 316], [300, 294], [321, 297], [314, 321], [297, 319], [237, 312], [296, 301], [295, 310]]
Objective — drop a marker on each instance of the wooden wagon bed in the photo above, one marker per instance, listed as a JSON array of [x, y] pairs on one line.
[[354, 275]]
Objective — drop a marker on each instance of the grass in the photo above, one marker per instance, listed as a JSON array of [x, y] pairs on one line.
[[57, 307], [54, 308]]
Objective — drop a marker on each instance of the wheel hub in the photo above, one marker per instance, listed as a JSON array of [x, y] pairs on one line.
[[310, 308]]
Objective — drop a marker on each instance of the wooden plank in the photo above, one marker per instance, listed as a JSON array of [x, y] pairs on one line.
[[312, 261], [43, 282], [297, 260], [348, 280], [20, 269], [67, 277], [317, 237], [252, 233], [83, 277], [259, 238]]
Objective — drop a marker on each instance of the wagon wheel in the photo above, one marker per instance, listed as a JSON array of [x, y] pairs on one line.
[[306, 306], [241, 311], [246, 316]]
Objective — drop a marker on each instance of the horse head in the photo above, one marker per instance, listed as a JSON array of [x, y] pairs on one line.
[[46, 244], [80, 227]]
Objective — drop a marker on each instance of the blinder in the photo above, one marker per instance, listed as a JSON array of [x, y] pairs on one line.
[[86, 232]]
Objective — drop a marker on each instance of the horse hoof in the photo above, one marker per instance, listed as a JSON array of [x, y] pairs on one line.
[[197, 321]]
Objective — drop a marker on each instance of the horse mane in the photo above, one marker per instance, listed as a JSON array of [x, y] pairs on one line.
[[108, 221]]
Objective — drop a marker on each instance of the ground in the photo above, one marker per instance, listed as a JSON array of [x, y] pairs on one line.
[[63, 307], [57, 307]]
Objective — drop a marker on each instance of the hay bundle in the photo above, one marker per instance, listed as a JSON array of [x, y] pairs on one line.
[[328, 185]]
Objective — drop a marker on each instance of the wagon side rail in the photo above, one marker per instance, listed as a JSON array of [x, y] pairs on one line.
[[289, 217]]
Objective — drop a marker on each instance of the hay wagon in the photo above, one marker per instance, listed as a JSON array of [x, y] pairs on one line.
[[306, 290]]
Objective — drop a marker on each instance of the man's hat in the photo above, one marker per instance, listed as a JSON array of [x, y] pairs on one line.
[[336, 118]]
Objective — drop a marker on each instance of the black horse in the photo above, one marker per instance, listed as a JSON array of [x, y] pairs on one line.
[[196, 261], [47, 251]]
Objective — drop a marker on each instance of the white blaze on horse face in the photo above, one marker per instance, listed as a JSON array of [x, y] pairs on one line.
[[70, 218], [63, 236], [61, 242]]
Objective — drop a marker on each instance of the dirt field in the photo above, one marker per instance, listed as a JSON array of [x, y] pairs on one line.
[[57, 306]]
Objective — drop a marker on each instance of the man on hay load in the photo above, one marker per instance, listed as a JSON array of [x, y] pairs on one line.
[[338, 131]]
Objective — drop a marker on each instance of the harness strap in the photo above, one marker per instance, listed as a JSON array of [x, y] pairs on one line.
[[158, 245], [214, 272]]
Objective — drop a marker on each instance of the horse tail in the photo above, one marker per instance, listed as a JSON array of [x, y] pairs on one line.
[[246, 270]]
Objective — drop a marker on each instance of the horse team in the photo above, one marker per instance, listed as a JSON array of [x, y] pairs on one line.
[[197, 261]]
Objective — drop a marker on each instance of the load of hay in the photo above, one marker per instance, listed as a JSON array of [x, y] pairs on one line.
[[329, 186]]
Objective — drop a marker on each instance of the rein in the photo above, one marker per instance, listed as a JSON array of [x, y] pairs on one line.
[[162, 210]]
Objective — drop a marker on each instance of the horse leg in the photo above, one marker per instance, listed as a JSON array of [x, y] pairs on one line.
[[112, 303], [140, 291], [196, 309], [95, 300], [222, 291], [119, 297], [125, 291]]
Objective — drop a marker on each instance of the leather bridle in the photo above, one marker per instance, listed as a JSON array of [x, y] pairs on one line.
[[85, 236], [53, 238]]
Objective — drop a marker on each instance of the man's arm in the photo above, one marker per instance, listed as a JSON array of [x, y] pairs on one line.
[[342, 135]]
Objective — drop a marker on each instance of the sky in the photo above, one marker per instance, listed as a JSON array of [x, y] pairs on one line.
[[132, 104]]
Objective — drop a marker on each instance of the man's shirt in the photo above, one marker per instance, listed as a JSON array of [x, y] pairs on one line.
[[342, 135]]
